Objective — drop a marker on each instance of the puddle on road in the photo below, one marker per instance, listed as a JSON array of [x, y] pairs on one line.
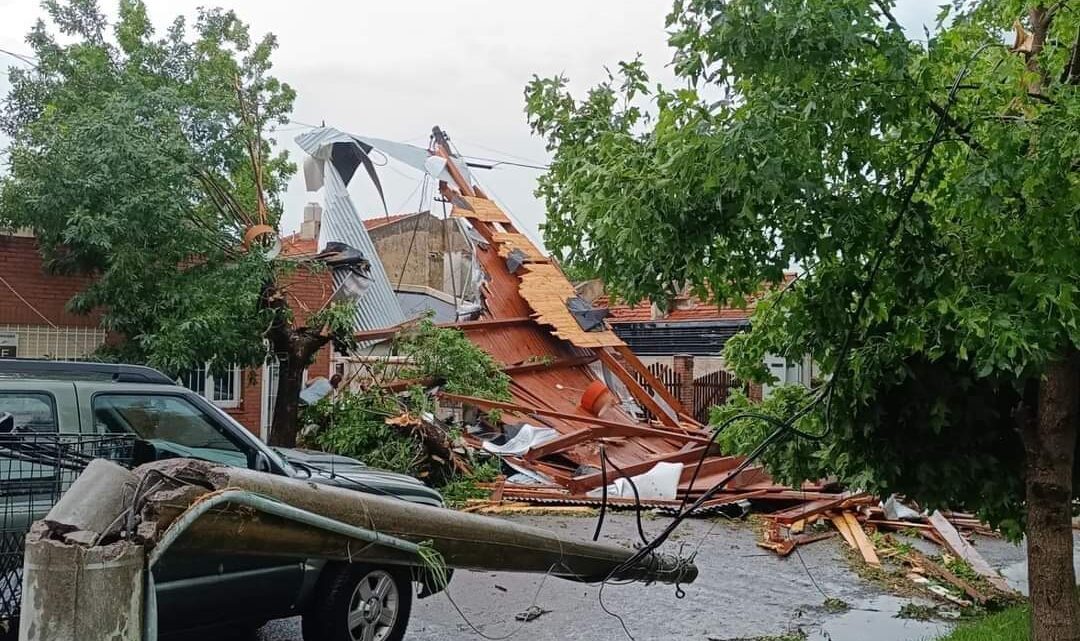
[[876, 619]]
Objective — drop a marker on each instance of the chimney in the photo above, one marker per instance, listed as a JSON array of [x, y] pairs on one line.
[[309, 229]]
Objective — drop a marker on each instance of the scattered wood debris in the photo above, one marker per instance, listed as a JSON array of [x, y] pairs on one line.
[[860, 521]]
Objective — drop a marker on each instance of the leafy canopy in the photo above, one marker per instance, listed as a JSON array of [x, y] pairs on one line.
[[115, 135], [796, 140]]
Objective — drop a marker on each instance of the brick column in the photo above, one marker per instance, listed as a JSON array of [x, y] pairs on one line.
[[684, 370]]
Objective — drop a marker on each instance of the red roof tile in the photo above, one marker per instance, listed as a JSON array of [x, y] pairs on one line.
[[375, 223], [294, 245], [683, 308]]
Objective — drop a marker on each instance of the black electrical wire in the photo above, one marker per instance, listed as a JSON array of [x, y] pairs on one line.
[[786, 427], [603, 494], [633, 486]]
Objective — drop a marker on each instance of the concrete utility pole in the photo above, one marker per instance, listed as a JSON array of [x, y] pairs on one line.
[[88, 571], [73, 588]]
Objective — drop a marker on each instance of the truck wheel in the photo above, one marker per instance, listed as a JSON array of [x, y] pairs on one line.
[[360, 602]]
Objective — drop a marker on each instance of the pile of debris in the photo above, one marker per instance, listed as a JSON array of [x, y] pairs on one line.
[[572, 436], [572, 430], [866, 526]]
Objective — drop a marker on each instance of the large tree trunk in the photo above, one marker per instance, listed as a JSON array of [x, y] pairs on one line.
[[284, 426], [301, 347], [1049, 444]]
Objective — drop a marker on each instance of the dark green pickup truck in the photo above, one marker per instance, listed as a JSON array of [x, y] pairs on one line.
[[339, 602]]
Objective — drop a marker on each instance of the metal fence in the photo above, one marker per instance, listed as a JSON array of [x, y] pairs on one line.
[[35, 470], [57, 343]]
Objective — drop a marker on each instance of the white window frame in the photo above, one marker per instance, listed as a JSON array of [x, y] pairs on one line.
[[266, 409], [208, 387]]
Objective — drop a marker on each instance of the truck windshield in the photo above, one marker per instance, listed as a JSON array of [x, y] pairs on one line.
[[160, 417]]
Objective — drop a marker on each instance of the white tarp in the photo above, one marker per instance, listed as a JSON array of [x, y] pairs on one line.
[[528, 437], [661, 482]]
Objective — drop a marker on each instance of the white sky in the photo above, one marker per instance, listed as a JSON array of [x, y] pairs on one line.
[[395, 69]]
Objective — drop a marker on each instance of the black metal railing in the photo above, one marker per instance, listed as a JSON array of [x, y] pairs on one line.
[[35, 470]]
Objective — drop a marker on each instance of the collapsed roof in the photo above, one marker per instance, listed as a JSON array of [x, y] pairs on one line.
[[563, 359]]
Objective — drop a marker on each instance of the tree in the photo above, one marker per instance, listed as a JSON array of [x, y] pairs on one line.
[[141, 159], [929, 192]]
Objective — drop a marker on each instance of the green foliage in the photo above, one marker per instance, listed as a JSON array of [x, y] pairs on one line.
[[962, 569], [108, 134], [462, 488], [791, 462], [448, 357], [352, 424], [826, 114]]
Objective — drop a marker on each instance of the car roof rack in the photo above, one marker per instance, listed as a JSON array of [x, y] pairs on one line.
[[38, 368]]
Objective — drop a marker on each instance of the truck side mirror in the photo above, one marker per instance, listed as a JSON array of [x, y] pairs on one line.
[[7, 423], [262, 463]]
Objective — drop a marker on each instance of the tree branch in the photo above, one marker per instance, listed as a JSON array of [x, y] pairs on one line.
[[893, 22], [963, 131], [1071, 74]]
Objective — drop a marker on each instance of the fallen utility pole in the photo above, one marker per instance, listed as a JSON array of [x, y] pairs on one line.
[[88, 571]]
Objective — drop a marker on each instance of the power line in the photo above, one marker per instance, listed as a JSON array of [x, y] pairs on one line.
[[523, 159], [495, 162], [20, 57], [28, 303]]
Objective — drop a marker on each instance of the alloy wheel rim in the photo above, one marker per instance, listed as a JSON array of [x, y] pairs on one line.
[[373, 608]]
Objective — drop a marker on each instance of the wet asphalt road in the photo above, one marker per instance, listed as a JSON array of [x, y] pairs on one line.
[[742, 592]]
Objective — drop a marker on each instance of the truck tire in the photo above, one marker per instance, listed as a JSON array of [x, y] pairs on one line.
[[360, 602]]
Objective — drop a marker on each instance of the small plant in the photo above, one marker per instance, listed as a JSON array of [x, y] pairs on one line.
[[917, 612], [961, 568], [834, 605], [464, 488]]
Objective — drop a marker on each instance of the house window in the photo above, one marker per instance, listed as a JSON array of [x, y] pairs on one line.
[[221, 389]]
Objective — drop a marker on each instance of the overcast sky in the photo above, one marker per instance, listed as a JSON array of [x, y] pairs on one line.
[[395, 69]]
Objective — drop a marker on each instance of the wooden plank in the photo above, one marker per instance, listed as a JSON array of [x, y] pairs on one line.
[[866, 548], [803, 539], [635, 388], [574, 418], [489, 323], [816, 506], [582, 484], [935, 569], [559, 363], [650, 378], [900, 525], [961, 548], [842, 527]]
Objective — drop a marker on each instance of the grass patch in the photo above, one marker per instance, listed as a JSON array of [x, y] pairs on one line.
[[1007, 625]]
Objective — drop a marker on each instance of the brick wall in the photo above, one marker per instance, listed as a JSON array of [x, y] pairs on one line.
[[22, 269], [249, 412], [307, 293]]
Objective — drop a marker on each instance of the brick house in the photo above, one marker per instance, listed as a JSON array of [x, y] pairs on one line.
[[684, 347], [34, 323]]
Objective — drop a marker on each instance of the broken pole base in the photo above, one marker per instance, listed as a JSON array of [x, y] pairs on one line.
[[76, 593]]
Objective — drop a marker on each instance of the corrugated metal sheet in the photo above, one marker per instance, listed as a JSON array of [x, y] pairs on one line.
[[341, 222]]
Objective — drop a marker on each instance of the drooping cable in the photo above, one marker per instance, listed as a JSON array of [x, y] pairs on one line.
[[785, 428], [603, 494], [633, 486]]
